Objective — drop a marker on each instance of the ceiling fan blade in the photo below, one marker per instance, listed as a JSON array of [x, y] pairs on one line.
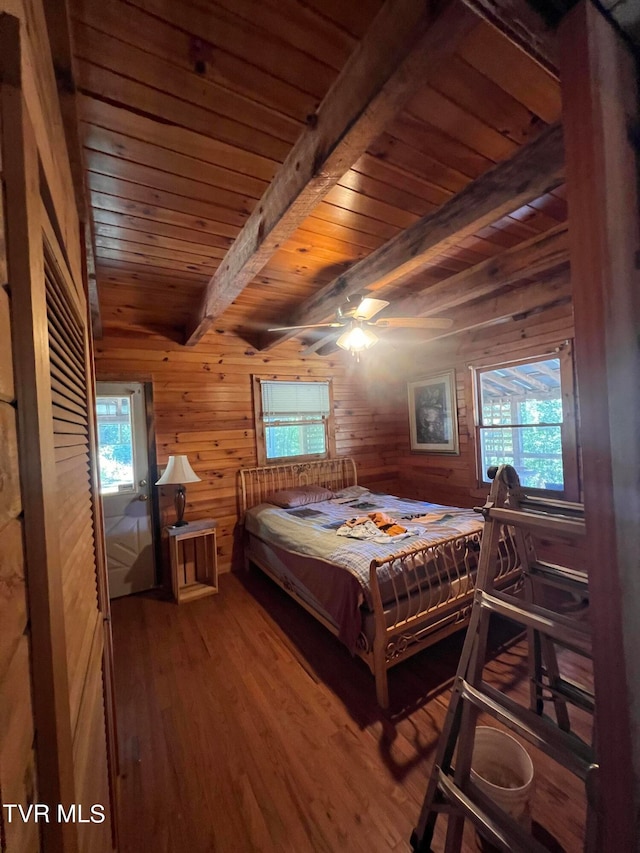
[[413, 323], [310, 326], [368, 308]]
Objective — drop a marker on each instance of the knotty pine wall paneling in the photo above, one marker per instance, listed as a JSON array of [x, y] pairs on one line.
[[202, 406], [454, 479], [17, 757]]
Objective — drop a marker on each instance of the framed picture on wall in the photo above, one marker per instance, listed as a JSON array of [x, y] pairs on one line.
[[433, 416]]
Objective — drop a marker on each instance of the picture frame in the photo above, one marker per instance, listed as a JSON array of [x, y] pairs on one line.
[[433, 414]]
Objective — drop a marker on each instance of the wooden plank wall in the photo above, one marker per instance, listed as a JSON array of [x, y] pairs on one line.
[[17, 757], [203, 407], [453, 479]]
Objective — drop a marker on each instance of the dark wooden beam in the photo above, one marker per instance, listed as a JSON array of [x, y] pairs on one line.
[[553, 288], [524, 26], [534, 257], [403, 45], [528, 259], [320, 344], [534, 170], [600, 116]]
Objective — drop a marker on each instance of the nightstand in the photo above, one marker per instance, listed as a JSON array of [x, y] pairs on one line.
[[194, 561]]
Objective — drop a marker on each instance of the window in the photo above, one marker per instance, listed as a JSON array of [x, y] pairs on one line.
[[293, 419], [115, 445], [525, 419]]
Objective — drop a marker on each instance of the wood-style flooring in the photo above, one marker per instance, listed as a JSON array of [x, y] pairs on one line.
[[245, 726]]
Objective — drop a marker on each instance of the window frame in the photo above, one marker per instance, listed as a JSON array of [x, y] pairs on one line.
[[258, 414], [568, 427], [126, 489]]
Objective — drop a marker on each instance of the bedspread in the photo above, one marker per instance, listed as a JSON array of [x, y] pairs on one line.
[[312, 530]]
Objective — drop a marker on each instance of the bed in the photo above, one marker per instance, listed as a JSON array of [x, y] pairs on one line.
[[385, 597]]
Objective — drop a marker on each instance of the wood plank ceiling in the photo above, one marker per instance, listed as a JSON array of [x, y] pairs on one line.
[[188, 109]]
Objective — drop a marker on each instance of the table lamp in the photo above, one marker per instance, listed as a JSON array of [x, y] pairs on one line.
[[178, 472]]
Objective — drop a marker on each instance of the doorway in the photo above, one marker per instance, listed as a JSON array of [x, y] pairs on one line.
[[123, 455]]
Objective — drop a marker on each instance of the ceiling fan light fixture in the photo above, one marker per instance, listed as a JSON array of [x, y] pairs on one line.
[[356, 339]]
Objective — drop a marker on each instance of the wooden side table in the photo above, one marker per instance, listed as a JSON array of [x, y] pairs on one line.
[[194, 561]]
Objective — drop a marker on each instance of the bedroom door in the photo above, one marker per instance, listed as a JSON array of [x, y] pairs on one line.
[[125, 487]]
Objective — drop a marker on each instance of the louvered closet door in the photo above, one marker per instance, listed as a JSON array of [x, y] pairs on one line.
[[66, 598], [83, 618]]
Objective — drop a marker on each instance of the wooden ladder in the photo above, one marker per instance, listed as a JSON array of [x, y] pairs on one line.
[[450, 789]]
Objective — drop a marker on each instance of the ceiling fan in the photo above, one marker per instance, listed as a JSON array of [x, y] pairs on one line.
[[355, 316]]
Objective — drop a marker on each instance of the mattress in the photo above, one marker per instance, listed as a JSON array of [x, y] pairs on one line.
[[332, 572]]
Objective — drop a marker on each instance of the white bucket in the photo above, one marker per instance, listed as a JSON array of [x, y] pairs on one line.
[[503, 770]]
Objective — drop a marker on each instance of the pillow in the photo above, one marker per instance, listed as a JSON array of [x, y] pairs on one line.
[[299, 496]]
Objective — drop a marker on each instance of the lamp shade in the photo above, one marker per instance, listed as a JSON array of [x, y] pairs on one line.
[[178, 471]]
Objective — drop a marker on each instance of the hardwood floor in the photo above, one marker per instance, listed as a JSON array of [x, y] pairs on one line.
[[244, 726]]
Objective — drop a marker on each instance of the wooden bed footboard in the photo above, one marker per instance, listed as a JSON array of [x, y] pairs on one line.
[[420, 595], [413, 607]]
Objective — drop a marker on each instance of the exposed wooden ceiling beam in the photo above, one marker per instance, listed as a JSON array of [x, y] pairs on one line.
[[534, 170], [402, 46], [552, 289], [320, 343], [531, 258], [528, 259], [555, 287], [522, 25]]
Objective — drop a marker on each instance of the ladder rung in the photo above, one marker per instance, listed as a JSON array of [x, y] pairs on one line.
[[559, 576], [563, 747], [572, 692], [509, 507], [545, 524], [567, 632], [498, 827]]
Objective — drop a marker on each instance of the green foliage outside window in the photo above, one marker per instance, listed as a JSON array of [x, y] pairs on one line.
[[297, 439], [115, 446], [530, 437]]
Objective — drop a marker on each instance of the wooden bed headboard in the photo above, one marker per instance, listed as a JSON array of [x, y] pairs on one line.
[[258, 483]]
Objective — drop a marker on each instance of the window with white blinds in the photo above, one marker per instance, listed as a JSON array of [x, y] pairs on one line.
[[295, 418]]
